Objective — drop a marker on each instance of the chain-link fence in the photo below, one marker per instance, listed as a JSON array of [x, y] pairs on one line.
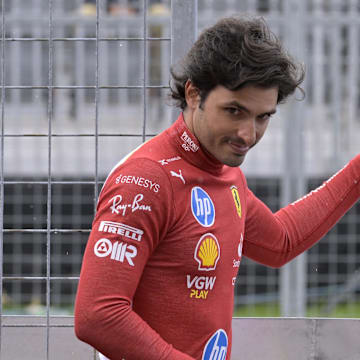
[[84, 82]]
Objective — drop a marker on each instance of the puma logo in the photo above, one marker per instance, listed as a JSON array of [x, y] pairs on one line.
[[179, 175]]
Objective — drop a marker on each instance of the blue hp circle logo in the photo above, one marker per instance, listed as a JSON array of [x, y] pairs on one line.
[[202, 207], [216, 347]]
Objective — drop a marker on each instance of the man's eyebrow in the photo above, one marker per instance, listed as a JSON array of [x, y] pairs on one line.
[[270, 112], [244, 108], [238, 105]]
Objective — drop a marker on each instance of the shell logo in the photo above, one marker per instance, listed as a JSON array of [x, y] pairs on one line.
[[236, 197], [207, 252]]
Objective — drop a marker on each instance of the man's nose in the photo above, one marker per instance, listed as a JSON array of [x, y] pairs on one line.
[[247, 131]]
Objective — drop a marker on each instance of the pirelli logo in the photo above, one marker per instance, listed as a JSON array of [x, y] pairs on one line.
[[127, 231]]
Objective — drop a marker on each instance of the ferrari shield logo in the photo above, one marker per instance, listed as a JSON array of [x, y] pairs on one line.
[[236, 197]]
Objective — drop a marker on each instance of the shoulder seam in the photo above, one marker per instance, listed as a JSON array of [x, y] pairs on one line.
[[156, 163], [168, 178]]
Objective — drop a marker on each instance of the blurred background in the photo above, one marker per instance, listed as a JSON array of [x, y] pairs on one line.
[[81, 88]]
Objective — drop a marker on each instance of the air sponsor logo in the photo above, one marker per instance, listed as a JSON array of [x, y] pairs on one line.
[[167, 161], [235, 194], [139, 181], [118, 251], [127, 231], [178, 175], [216, 347], [207, 252], [188, 143], [117, 207], [200, 286], [202, 207], [236, 262]]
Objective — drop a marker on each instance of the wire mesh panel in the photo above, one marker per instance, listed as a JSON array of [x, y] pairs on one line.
[[84, 82], [74, 101]]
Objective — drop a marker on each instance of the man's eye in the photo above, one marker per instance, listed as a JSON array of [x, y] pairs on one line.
[[265, 116], [233, 110]]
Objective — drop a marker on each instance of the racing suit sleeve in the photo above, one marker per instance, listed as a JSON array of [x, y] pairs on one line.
[[275, 239], [133, 214]]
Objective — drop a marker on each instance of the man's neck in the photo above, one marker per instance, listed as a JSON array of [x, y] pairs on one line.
[[188, 118]]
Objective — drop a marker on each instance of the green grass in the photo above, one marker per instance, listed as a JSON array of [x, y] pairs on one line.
[[318, 310], [350, 310]]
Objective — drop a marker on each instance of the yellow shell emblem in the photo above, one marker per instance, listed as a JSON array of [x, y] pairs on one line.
[[236, 197], [207, 252]]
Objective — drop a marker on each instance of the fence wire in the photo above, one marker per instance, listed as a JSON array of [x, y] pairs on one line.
[[83, 83]]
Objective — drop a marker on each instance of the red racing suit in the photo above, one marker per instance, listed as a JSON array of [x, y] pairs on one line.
[[172, 223]]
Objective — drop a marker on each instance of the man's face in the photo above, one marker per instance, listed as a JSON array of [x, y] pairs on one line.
[[229, 123]]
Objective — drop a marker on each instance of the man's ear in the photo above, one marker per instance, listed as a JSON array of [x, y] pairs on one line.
[[192, 95]]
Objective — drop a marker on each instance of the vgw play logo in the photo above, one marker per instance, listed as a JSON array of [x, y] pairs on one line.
[[202, 207], [216, 347]]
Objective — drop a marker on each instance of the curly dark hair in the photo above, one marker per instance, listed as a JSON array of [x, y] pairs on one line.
[[235, 52]]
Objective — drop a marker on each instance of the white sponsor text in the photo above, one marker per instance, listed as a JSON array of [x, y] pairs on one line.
[[200, 286], [118, 251], [167, 161], [188, 143], [139, 181], [112, 227], [117, 207]]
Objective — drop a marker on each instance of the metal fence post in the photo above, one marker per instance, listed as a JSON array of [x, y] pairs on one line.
[[2, 75], [293, 275], [184, 24]]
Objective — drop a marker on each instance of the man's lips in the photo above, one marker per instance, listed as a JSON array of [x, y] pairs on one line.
[[239, 149]]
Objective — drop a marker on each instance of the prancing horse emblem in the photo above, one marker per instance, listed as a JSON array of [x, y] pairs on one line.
[[236, 197]]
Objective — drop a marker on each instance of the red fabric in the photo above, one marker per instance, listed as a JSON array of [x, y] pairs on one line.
[[280, 237], [158, 273]]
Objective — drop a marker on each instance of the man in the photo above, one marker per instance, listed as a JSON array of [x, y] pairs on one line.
[[175, 216]]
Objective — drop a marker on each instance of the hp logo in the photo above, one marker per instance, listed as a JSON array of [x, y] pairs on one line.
[[202, 207], [216, 347]]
